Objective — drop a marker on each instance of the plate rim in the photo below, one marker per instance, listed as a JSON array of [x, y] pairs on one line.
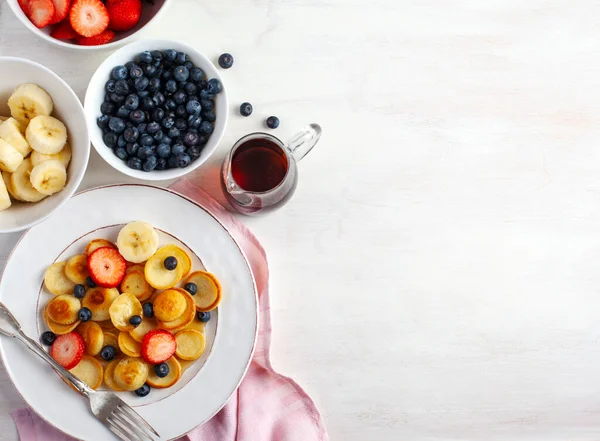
[[238, 246]]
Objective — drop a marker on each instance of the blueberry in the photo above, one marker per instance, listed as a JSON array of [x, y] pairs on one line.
[[172, 162], [203, 316], [214, 86], [158, 136], [136, 71], [170, 104], [153, 127], [108, 352], [183, 160], [170, 54], [193, 152], [170, 114], [132, 102], [206, 127], [194, 121], [206, 95], [182, 85], [116, 124], [171, 86], [246, 109], [177, 149], [181, 112], [107, 98], [188, 64], [207, 104], [272, 122], [146, 57], [148, 310], [143, 93], [137, 116], [181, 58], [135, 320], [129, 65], [134, 163], [121, 87], [181, 73], [208, 116], [143, 391], [167, 123], [191, 89], [110, 86], [226, 61], [84, 314], [141, 83], [131, 134], [90, 282], [48, 338], [158, 114], [196, 74], [132, 148], [159, 99], [110, 139], [193, 130], [192, 288], [157, 55], [121, 153], [163, 150], [190, 139], [121, 141], [181, 124], [119, 73], [202, 139], [116, 98], [161, 370], [142, 128], [145, 152], [170, 263], [102, 121], [202, 84], [161, 164], [107, 108], [174, 132], [180, 97], [123, 112], [154, 85], [193, 107], [166, 140]]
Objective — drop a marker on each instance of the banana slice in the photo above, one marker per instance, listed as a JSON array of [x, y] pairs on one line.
[[98, 243], [93, 337], [21, 183], [49, 177], [135, 283], [56, 328], [46, 134], [64, 156], [169, 305], [28, 101], [76, 269], [98, 300], [185, 319], [109, 376], [182, 257], [128, 345], [64, 309], [10, 158], [190, 344], [158, 276], [89, 370], [122, 309], [208, 296], [12, 132], [131, 373], [56, 281], [4, 196], [7, 178], [173, 377], [140, 331], [137, 241]]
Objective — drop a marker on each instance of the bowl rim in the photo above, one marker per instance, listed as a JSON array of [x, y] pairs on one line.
[[120, 166], [16, 9], [78, 177]]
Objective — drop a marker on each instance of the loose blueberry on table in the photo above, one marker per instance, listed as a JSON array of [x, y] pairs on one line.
[[159, 111], [272, 122], [246, 109], [226, 61]]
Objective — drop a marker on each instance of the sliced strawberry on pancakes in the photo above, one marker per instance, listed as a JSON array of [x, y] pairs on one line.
[[89, 17], [68, 350], [105, 37], [64, 31], [61, 10], [41, 12], [158, 345], [107, 267]]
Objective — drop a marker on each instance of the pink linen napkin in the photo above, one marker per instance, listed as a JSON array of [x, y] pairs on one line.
[[267, 406]]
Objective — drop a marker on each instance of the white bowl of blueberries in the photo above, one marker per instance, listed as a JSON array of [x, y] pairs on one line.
[[156, 109]]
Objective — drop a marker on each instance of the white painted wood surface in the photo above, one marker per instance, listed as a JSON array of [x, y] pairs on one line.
[[436, 275]]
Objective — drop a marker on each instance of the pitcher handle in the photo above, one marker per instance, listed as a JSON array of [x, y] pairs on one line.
[[304, 141]]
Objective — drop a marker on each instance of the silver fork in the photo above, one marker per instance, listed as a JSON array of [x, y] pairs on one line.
[[113, 412]]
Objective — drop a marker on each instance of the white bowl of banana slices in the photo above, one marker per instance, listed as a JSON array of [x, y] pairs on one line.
[[44, 143]]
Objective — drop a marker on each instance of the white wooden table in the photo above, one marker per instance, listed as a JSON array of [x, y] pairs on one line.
[[437, 274]]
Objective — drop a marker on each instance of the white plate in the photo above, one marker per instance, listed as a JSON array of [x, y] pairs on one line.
[[206, 385]]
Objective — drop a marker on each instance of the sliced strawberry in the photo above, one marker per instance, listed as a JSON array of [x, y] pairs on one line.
[[68, 349], [24, 4], [61, 10], [64, 31], [41, 12], [158, 345], [105, 37], [124, 14], [89, 17], [107, 267]]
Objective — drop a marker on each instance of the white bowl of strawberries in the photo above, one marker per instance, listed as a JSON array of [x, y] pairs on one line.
[[88, 24]]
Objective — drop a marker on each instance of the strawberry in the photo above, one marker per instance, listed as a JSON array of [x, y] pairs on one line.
[[64, 31], [105, 37], [107, 267], [41, 12], [61, 10], [24, 4], [158, 346], [68, 349], [124, 14], [89, 17]]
